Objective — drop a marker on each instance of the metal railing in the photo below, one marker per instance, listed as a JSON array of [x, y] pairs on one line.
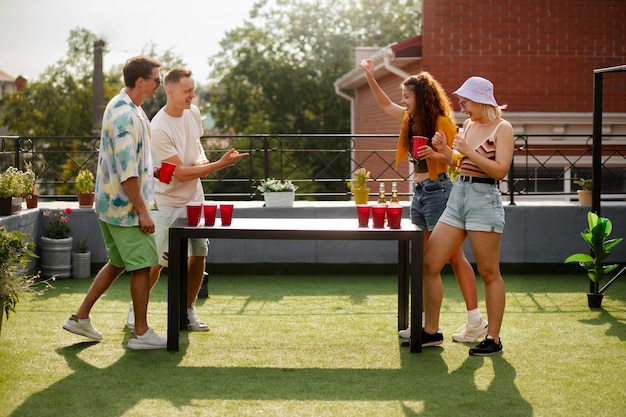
[[320, 164]]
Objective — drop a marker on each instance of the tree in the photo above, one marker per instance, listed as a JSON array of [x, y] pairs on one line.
[[275, 74]]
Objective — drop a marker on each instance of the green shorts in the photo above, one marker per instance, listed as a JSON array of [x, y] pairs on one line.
[[129, 247]]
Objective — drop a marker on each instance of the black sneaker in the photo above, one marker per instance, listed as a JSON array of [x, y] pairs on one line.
[[431, 339], [486, 347]]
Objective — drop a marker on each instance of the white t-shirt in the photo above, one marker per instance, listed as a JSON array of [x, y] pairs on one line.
[[177, 135]]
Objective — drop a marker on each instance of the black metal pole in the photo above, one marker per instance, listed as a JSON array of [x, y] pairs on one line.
[[596, 154]]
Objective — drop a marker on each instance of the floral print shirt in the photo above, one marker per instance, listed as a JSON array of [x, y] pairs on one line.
[[124, 153]]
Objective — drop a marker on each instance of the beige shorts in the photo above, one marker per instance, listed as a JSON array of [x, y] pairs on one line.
[[164, 216]]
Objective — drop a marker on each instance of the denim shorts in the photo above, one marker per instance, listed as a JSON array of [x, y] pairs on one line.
[[475, 207], [429, 201], [163, 219]]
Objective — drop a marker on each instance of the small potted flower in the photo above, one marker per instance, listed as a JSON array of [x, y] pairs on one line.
[[14, 186], [278, 193], [55, 246], [86, 186], [358, 185]]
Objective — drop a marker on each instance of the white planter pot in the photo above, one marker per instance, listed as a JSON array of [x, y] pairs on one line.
[[279, 199]]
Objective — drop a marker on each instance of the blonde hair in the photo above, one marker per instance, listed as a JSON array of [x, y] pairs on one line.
[[489, 111]]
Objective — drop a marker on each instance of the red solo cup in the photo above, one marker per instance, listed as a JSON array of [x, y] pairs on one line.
[[363, 212], [226, 214], [394, 216], [418, 142], [378, 215], [166, 172], [194, 212], [210, 210]]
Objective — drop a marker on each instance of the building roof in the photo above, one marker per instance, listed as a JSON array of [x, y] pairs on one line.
[[6, 77]]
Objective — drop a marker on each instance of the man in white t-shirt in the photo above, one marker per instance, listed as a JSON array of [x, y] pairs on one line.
[[176, 131]]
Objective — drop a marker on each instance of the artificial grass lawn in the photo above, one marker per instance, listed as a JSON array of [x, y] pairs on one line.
[[317, 346]]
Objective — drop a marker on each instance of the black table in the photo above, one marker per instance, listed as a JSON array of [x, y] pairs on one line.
[[410, 253]]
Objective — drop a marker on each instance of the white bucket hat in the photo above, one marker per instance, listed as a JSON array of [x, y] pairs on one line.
[[479, 90]]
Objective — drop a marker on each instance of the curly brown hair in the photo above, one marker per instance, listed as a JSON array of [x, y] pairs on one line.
[[431, 102]]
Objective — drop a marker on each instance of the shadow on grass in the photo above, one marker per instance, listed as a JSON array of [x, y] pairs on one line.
[[157, 375], [617, 327]]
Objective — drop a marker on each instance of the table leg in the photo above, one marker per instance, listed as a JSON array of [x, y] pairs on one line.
[[417, 277], [173, 291], [403, 284]]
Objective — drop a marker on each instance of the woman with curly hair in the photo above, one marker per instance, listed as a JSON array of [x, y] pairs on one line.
[[424, 110]]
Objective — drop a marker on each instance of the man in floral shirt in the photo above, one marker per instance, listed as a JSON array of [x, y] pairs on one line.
[[124, 193]]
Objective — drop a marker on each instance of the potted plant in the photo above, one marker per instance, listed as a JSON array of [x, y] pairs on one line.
[[358, 186], [81, 260], [32, 199], [597, 237], [14, 186], [15, 249], [277, 193], [55, 246], [86, 186], [584, 194]]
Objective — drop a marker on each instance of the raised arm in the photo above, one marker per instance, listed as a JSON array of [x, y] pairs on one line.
[[393, 109]]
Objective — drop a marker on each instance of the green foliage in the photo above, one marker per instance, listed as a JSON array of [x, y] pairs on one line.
[[16, 183], [82, 246], [361, 176], [596, 237], [85, 182], [585, 184], [274, 185], [275, 74], [15, 248]]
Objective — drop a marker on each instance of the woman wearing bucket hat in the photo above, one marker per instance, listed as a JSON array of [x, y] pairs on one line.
[[474, 209], [425, 109]]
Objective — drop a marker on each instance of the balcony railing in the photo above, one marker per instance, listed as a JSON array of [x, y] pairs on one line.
[[321, 165]]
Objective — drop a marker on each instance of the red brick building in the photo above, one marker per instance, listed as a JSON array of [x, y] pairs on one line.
[[540, 56]]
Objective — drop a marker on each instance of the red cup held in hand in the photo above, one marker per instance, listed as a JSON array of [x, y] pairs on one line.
[[226, 214], [166, 172], [418, 142], [210, 210], [194, 213]]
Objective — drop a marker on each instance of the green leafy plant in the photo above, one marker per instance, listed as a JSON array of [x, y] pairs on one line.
[[272, 185], [82, 246], [585, 184], [597, 237], [15, 248], [359, 182], [16, 183], [58, 228], [85, 182]]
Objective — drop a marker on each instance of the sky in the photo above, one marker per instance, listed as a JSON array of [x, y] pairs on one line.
[[34, 33]]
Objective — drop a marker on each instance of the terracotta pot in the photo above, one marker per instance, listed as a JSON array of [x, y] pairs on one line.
[[361, 195], [85, 200], [584, 197], [32, 201]]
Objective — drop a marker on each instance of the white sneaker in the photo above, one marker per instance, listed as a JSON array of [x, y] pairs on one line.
[[469, 333], [148, 340], [406, 333], [82, 327], [130, 317], [194, 323]]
